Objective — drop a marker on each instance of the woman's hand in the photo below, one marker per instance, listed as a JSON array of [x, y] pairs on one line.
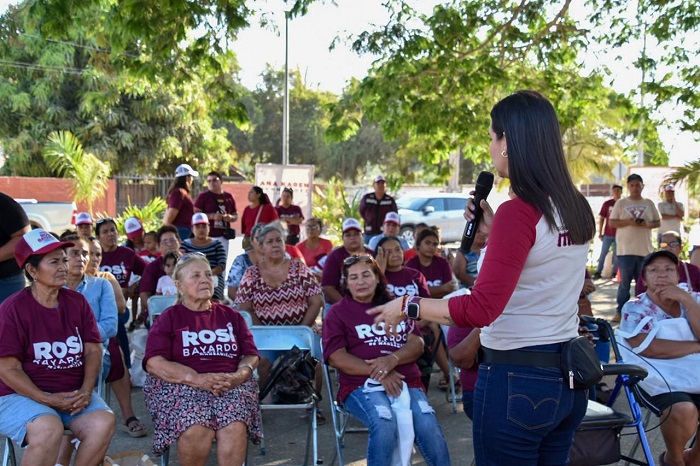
[[672, 292], [381, 259], [381, 367], [486, 219], [72, 402], [392, 383], [391, 314]]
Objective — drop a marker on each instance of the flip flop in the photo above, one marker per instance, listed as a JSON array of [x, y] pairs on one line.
[[662, 456], [134, 427]]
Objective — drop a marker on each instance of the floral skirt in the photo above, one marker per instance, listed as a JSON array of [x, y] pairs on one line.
[[177, 407]]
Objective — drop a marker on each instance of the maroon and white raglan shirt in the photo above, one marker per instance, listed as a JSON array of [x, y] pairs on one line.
[[528, 285], [206, 341], [48, 342], [347, 325]]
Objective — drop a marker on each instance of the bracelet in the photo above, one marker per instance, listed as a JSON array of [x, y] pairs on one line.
[[394, 355], [404, 308], [248, 366]]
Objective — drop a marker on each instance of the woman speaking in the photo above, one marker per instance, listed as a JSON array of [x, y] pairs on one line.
[[526, 295]]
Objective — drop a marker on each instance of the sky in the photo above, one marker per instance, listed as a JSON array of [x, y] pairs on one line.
[[311, 35]]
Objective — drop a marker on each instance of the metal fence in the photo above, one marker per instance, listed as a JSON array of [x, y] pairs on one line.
[[138, 190]]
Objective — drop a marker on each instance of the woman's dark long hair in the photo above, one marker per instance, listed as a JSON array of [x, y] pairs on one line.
[[381, 293], [536, 163], [264, 198], [179, 182]]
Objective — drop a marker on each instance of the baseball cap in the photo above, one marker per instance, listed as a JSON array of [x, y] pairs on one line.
[[184, 170], [656, 254], [633, 177], [133, 227], [35, 243], [392, 217], [199, 217], [83, 218], [351, 224], [379, 178], [669, 187]]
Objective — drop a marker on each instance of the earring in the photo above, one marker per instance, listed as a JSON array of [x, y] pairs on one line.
[[504, 154]]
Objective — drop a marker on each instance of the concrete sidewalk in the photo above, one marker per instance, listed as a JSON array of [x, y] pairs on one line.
[[285, 432]]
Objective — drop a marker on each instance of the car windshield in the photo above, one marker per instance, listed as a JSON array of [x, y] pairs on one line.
[[410, 203]]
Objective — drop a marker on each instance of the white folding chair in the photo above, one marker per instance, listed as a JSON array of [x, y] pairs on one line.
[[157, 304], [274, 339]]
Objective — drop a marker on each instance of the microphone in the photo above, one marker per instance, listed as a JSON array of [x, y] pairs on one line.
[[484, 183]]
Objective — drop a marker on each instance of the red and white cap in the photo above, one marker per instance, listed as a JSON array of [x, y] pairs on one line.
[[379, 178], [351, 224], [199, 217], [133, 227], [35, 243], [392, 217], [83, 218]]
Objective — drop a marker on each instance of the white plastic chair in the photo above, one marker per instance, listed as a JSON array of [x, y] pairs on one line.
[[157, 304], [278, 338]]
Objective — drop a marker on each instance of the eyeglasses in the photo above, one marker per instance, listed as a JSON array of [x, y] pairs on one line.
[[168, 240], [352, 260], [313, 227], [672, 244], [213, 180]]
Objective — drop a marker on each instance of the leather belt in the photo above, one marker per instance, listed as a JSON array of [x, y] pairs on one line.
[[522, 358]]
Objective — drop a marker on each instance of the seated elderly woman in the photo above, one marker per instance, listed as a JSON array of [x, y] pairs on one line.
[[50, 357], [200, 357], [361, 351], [661, 325], [278, 290]]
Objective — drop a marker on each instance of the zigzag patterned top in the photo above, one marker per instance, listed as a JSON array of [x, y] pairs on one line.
[[284, 305]]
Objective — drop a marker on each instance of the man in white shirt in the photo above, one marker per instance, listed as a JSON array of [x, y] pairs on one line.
[[671, 212], [634, 217]]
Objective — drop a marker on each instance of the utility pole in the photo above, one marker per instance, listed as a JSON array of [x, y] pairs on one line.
[[285, 108]]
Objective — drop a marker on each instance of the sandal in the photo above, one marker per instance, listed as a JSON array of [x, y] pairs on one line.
[[134, 427], [320, 418]]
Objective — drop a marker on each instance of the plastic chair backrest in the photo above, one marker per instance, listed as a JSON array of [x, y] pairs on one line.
[[159, 303], [284, 337], [247, 317]]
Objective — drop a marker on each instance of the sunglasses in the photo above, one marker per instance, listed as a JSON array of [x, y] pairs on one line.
[[191, 255], [352, 260], [105, 220], [672, 244]]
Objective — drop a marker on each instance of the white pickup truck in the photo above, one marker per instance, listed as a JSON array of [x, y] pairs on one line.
[[56, 217]]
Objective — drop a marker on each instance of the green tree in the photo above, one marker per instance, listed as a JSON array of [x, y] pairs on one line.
[[66, 157]]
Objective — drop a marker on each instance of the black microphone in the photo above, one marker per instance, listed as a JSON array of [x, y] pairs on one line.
[[483, 187]]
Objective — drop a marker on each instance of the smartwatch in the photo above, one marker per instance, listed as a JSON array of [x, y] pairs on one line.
[[412, 309]]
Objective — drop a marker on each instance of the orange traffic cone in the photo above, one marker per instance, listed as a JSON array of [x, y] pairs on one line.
[[617, 277]]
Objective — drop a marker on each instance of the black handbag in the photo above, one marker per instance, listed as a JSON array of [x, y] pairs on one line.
[[229, 233], [580, 364]]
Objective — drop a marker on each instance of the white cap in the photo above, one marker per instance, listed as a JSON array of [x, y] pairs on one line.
[[184, 170], [132, 227], [379, 178], [351, 224], [199, 217], [36, 242], [392, 217], [83, 218], [669, 187]]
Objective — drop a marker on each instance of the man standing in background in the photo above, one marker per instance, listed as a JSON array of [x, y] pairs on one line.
[[671, 212], [606, 233], [219, 206], [374, 206], [634, 217]]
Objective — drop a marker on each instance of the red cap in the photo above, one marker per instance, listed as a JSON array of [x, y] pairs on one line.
[[35, 243]]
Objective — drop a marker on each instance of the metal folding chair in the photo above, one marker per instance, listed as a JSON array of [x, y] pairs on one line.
[[271, 340], [452, 394], [157, 304]]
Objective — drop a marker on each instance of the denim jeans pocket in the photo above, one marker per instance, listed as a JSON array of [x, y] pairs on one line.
[[533, 400]]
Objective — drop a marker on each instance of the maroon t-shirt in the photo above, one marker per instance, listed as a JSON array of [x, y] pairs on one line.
[[333, 268], [48, 342], [293, 211], [347, 325], [180, 199], [605, 211], [467, 377], [121, 263], [213, 203], [437, 273], [206, 341], [267, 215], [151, 275], [407, 281]]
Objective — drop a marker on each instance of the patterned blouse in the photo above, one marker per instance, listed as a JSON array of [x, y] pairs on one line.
[[284, 305], [642, 306]]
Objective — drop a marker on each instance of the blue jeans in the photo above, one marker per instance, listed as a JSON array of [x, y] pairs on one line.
[[607, 242], [373, 409], [524, 415], [630, 269], [468, 403], [183, 232], [11, 285]]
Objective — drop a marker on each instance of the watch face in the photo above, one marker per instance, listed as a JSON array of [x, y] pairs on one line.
[[412, 311]]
